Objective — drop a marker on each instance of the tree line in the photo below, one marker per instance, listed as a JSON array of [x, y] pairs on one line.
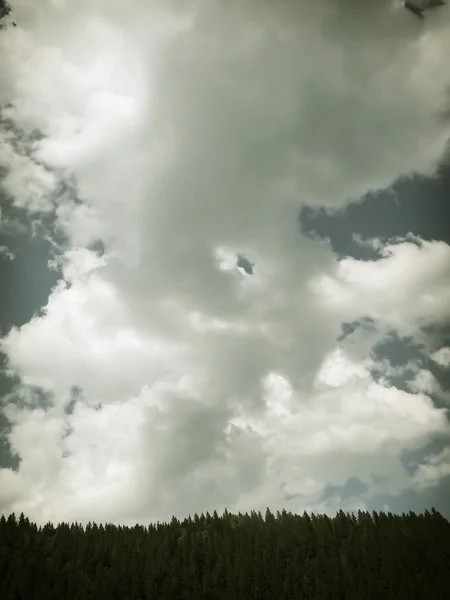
[[281, 556]]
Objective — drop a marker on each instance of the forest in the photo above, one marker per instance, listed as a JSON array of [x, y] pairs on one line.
[[281, 556]]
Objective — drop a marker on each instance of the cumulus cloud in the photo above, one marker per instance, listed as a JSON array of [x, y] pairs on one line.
[[28, 184], [407, 289], [188, 137], [442, 357], [433, 470]]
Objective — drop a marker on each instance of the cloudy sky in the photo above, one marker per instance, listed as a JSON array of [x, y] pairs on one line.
[[224, 259]]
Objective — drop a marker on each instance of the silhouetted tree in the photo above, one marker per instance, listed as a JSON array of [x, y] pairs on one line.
[[236, 557]]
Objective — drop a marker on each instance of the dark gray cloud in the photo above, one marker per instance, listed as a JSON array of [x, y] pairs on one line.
[[416, 501], [350, 327], [351, 489]]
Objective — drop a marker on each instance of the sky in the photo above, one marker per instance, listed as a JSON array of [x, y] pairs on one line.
[[224, 258]]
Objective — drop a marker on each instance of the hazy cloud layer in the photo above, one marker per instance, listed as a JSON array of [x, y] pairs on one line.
[[203, 345]]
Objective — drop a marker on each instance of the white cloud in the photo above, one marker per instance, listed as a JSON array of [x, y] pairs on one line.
[[85, 339], [6, 252], [434, 470], [424, 381], [386, 369], [168, 450], [28, 183], [193, 136], [338, 370], [442, 357], [407, 288]]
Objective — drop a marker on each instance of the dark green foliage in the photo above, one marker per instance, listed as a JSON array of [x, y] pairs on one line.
[[235, 557]]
